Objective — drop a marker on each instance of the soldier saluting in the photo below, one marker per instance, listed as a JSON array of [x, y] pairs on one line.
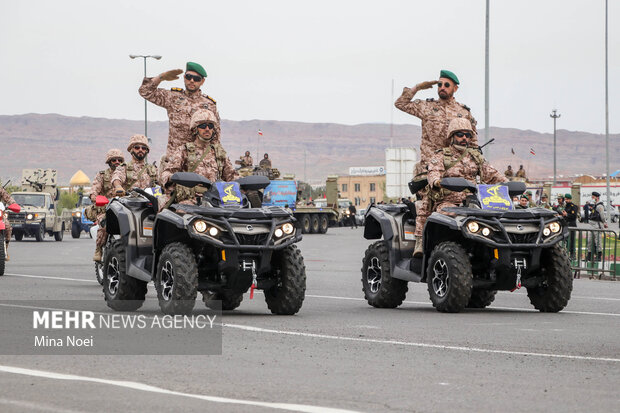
[[180, 104], [435, 116]]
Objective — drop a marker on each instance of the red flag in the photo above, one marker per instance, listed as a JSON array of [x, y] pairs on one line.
[[532, 151], [260, 132]]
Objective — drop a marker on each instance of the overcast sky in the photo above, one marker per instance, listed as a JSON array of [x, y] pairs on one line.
[[314, 61]]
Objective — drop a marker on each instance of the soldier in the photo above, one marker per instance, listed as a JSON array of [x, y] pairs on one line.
[[598, 220], [435, 116], [523, 202], [204, 155], [559, 208], [247, 160], [102, 185], [570, 214], [508, 173], [545, 201], [265, 163], [138, 173], [459, 159], [180, 104], [521, 172], [530, 202], [7, 200]]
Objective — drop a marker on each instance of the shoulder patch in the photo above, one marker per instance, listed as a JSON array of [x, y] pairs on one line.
[[430, 99], [177, 89], [466, 107], [210, 98], [102, 172]]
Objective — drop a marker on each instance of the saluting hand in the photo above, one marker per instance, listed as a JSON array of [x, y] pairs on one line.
[[426, 85], [171, 74]]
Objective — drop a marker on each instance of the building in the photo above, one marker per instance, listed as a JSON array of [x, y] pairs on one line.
[[362, 190]]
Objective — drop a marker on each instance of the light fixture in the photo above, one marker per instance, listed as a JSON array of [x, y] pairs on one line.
[[473, 226], [288, 228]]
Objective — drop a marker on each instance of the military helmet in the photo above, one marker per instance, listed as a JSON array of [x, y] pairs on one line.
[[114, 153], [140, 140], [202, 116], [458, 124]]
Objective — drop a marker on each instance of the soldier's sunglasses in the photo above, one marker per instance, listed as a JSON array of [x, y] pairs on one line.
[[138, 147], [446, 84], [206, 125], [116, 160], [193, 77], [461, 134]]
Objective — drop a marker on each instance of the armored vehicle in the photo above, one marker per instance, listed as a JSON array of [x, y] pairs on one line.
[[38, 196], [221, 247], [485, 246]]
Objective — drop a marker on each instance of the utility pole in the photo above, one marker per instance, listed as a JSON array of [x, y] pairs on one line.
[[486, 85], [392, 116], [608, 204], [554, 115], [156, 57]]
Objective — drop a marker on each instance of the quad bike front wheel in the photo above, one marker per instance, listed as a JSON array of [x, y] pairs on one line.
[[121, 292], [177, 279], [553, 294], [449, 277], [380, 289], [287, 295]]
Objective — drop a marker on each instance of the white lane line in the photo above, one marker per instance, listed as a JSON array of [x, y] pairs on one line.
[[421, 345], [53, 278], [152, 389], [357, 298], [23, 405], [580, 297], [526, 310]]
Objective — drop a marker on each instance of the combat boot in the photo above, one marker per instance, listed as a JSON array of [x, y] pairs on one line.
[[6, 258], [97, 256], [418, 252]]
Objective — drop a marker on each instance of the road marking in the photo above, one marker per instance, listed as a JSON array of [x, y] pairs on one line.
[[30, 406], [421, 345], [152, 389], [529, 310]]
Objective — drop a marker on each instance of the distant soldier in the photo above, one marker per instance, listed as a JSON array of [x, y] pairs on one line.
[[521, 172], [559, 207], [435, 116], [7, 200], [204, 155], [247, 160], [530, 201], [523, 202], [265, 163], [571, 211], [545, 201], [598, 220], [457, 160], [180, 104], [102, 185], [508, 173], [138, 173]]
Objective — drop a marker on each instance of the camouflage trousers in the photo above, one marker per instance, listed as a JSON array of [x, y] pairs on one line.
[[102, 234], [8, 231], [423, 210]]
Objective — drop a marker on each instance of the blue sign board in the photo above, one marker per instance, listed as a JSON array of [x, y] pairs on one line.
[[495, 197], [280, 193]]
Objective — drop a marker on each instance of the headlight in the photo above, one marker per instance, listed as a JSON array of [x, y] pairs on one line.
[[288, 228], [29, 216], [473, 226], [78, 214], [200, 226], [486, 232], [213, 231], [555, 227], [546, 232], [278, 233]]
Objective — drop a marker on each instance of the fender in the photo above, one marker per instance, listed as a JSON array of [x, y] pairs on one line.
[[378, 224]]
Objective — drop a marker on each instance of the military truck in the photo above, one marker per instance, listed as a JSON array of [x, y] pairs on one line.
[[37, 198], [313, 219]]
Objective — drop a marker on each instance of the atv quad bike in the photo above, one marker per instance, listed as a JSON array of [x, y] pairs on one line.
[[221, 247], [485, 247]]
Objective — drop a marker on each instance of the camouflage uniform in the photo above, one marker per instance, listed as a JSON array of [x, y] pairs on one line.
[[520, 173], [451, 162], [265, 163], [436, 116], [102, 185], [215, 165], [247, 161], [136, 174], [7, 200], [180, 105]]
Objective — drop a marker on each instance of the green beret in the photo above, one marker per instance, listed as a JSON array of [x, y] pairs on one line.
[[524, 197], [195, 67], [449, 75], [528, 192], [568, 196]]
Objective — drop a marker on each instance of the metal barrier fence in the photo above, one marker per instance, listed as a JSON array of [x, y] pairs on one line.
[[593, 251]]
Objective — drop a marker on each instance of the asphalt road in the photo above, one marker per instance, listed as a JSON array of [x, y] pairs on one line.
[[337, 353]]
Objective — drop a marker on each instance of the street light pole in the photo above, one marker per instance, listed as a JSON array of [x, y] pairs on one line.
[[156, 57], [554, 115], [486, 83], [608, 204]]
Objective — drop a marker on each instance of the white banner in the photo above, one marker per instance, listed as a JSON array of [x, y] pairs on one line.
[[367, 170]]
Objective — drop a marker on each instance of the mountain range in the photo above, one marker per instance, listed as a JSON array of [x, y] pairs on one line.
[[310, 150]]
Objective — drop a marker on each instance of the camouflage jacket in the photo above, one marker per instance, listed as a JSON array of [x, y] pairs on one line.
[[136, 174], [5, 197], [435, 116], [214, 166], [180, 105], [102, 184], [451, 162]]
